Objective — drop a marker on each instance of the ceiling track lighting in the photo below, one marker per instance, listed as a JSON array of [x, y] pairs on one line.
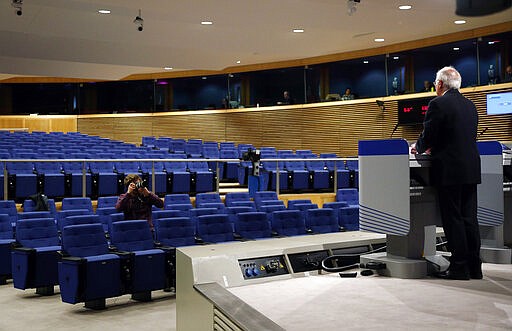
[[139, 21], [352, 6], [17, 4]]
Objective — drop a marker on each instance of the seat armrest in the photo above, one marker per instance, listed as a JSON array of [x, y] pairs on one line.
[[24, 249], [74, 259]]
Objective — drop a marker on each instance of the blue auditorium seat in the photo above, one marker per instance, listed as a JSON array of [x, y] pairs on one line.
[[211, 152], [178, 178], [105, 181], [214, 228], [6, 241], [88, 272], [348, 195], [63, 214], [175, 231], [343, 175], [269, 172], [209, 200], [147, 168], [229, 169], [292, 203], [51, 177], [196, 212], [22, 181], [318, 174], [104, 216], [77, 203], [75, 171], [177, 146], [233, 212], [321, 220], [253, 225], [194, 149], [288, 223], [180, 201], [110, 201], [203, 179], [34, 214], [264, 198], [238, 199], [8, 207], [35, 256], [146, 263], [298, 176]]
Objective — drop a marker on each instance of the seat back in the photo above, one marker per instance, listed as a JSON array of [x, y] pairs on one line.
[[175, 231], [107, 201], [206, 198], [34, 214], [77, 203], [264, 196], [214, 228], [79, 219], [233, 197], [253, 225], [196, 212], [348, 195], [132, 236], [6, 231], [37, 232], [8, 207], [170, 199], [321, 220], [292, 203], [84, 240], [288, 222]]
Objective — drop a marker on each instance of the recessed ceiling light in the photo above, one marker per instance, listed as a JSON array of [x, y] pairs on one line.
[[378, 40], [104, 11], [168, 68], [298, 30], [238, 62], [395, 57], [460, 22], [366, 61], [404, 7], [456, 48], [206, 22], [203, 77]]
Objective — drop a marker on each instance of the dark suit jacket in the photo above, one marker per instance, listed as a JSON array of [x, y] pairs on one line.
[[450, 130]]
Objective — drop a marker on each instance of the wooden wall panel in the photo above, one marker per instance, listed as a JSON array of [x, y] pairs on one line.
[[321, 127]]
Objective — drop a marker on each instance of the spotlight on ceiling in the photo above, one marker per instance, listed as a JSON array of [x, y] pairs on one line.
[[352, 6], [17, 4], [139, 21]]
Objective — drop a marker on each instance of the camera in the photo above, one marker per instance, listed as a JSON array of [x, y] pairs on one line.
[[252, 155], [139, 185]]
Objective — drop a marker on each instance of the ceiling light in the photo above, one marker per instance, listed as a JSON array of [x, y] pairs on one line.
[[456, 48], [404, 7], [238, 62], [104, 11], [395, 57], [378, 40], [298, 30], [206, 22], [168, 68], [203, 78], [366, 61], [460, 22]]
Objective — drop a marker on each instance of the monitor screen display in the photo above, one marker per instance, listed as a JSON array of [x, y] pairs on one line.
[[499, 103], [412, 111]]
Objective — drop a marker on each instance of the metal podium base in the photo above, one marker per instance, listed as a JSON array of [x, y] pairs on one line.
[[398, 266], [496, 255]]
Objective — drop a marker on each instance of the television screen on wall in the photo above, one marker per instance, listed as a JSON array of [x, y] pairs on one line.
[[412, 111], [499, 103]]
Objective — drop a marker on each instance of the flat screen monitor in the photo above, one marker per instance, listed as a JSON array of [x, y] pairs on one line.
[[412, 111], [499, 103]]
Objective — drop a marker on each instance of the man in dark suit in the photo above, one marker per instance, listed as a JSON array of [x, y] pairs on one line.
[[449, 136]]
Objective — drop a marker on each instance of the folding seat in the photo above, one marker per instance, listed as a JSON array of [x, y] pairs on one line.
[[178, 178], [194, 149], [343, 175], [163, 144], [88, 272], [233, 212], [74, 172], [177, 146], [211, 152], [292, 203], [6, 241], [177, 201], [304, 207], [22, 181], [209, 200], [336, 206], [266, 197], [348, 195], [104, 180], [234, 199], [269, 172], [229, 169], [196, 212], [50, 178], [288, 223], [203, 180], [321, 220], [318, 173], [214, 228], [110, 201], [77, 203], [148, 141], [146, 263], [63, 214], [35, 255], [79, 219], [298, 176], [175, 231], [253, 225]]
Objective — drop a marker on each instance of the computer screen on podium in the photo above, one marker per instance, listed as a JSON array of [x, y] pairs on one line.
[[412, 111], [499, 103]]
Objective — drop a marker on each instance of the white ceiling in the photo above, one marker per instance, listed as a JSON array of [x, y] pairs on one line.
[[68, 38]]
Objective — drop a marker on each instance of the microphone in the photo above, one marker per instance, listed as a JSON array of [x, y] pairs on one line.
[[394, 129], [481, 133]]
